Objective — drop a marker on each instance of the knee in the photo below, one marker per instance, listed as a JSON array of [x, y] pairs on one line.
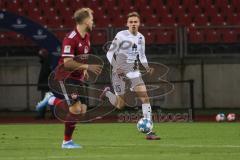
[[75, 108], [78, 108], [120, 106], [83, 108], [145, 100]]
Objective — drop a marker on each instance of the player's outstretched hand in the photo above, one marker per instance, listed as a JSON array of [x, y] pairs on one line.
[[86, 75], [95, 68]]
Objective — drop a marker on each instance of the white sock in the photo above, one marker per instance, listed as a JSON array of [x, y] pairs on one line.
[[147, 111], [51, 101], [112, 97], [64, 142]]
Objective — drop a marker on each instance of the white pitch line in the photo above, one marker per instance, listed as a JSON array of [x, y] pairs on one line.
[[200, 146], [174, 145], [161, 145], [65, 157]]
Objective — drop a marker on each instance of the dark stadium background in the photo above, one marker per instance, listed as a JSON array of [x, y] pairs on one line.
[[199, 40]]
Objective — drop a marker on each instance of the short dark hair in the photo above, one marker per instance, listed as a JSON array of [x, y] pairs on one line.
[[82, 14], [133, 14]]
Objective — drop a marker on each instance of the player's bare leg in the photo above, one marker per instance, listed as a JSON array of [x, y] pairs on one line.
[[75, 109], [141, 92], [115, 100], [120, 102], [78, 108]]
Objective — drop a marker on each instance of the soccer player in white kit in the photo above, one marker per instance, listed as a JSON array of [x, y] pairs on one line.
[[128, 47]]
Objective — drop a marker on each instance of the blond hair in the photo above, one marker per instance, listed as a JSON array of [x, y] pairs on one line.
[[133, 14], [82, 14]]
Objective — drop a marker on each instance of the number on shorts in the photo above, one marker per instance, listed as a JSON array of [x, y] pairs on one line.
[[118, 88]]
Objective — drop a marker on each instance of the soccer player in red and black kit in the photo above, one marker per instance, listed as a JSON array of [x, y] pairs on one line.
[[71, 71]]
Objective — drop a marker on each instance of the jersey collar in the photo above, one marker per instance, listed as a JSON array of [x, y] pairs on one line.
[[79, 35], [131, 33]]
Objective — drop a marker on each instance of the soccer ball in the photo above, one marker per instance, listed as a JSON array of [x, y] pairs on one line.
[[144, 125], [231, 117], [220, 117]]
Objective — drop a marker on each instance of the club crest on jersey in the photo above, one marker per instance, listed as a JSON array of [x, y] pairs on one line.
[[140, 40], [80, 44], [86, 49]]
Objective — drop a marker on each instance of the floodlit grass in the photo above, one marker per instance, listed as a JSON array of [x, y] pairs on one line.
[[122, 141]]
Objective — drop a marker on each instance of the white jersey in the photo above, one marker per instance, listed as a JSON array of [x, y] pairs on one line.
[[129, 49]]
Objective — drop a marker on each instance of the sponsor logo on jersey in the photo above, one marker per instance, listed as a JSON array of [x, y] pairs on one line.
[[67, 49], [134, 47]]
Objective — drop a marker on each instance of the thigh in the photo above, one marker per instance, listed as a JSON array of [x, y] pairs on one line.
[[77, 87], [74, 86], [69, 88], [136, 82]]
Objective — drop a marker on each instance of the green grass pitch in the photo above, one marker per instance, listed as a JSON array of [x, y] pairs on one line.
[[122, 141]]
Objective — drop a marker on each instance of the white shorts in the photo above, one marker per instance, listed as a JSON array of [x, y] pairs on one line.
[[131, 80]]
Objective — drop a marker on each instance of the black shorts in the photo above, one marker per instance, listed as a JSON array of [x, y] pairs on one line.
[[72, 86]]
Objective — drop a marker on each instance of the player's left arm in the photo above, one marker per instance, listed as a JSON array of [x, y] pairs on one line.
[[143, 58]]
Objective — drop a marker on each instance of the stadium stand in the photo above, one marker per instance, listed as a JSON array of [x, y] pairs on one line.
[[191, 14]]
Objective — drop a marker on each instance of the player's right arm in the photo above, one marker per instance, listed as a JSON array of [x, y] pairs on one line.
[[113, 49], [72, 65], [68, 49]]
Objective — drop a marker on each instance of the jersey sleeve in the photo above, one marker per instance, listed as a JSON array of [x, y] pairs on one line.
[[142, 57], [68, 47], [113, 49]]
